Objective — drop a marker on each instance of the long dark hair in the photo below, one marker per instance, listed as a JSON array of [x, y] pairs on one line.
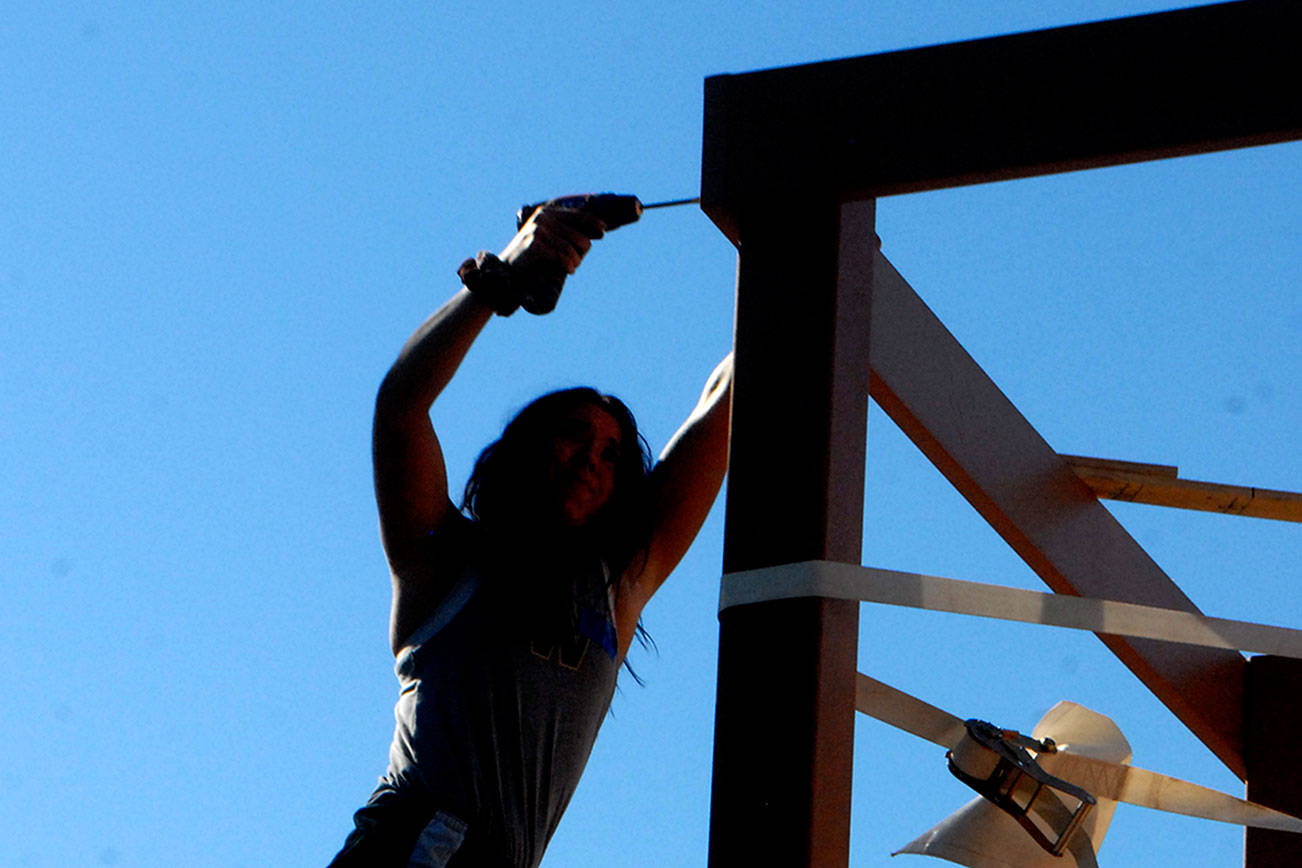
[[502, 498], [502, 491]]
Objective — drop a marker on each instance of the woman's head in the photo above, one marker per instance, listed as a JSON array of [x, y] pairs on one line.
[[570, 463]]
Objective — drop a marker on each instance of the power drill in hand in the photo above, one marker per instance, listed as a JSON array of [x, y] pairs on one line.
[[613, 209]]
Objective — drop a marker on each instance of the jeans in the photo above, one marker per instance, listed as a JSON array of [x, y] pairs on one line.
[[397, 830]]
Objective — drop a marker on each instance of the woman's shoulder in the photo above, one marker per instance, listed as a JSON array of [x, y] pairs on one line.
[[421, 584]]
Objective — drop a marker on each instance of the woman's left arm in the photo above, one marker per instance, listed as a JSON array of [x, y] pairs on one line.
[[684, 484]]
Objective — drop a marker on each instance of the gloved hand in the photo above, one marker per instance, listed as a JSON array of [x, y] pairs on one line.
[[549, 246]]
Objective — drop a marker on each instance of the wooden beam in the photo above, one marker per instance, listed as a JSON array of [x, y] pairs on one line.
[[1081, 463], [1167, 84], [1158, 485], [928, 384], [782, 777], [1272, 714]]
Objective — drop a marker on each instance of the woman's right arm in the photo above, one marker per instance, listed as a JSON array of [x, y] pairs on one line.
[[411, 481]]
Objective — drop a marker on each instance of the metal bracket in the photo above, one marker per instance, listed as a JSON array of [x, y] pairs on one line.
[[997, 764]]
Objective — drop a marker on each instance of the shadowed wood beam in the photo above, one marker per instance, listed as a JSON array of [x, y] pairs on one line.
[[782, 780], [1159, 485], [1105, 93], [942, 400], [1271, 718]]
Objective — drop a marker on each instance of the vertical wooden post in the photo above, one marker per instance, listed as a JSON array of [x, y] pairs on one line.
[[784, 723], [1272, 750]]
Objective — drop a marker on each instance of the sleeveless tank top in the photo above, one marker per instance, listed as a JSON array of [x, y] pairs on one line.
[[495, 726]]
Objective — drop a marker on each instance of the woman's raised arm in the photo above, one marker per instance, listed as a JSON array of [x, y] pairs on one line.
[[684, 483], [411, 483]]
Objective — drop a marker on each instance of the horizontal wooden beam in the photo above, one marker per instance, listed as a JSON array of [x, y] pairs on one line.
[[938, 395], [1159, 485], [1085, 462], [1167, 84]]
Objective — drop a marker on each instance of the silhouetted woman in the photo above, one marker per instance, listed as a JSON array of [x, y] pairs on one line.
[[512, 615]]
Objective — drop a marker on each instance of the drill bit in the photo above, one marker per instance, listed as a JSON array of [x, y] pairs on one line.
[[671, 203]]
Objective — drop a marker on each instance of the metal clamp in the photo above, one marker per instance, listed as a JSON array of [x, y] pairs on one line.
[[996, 763]]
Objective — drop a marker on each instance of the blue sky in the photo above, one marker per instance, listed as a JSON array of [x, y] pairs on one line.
[[220, 222]]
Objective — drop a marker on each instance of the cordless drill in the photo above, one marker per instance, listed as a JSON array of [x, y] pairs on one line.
[[613, 209]]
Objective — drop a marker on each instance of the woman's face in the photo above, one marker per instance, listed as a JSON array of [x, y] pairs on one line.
[[584, 456]]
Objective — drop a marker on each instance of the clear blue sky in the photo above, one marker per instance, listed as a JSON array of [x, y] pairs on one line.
[[219, 223]]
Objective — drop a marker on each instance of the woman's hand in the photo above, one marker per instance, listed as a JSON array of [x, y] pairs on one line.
[[553, 239], [549, 246]]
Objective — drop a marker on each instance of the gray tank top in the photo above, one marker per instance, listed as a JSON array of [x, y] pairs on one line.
[[497, 726]]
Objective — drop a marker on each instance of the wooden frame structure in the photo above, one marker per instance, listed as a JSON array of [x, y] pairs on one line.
[[822, 141]]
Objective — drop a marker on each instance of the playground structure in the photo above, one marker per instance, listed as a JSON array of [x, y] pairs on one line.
[[824, 141]]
